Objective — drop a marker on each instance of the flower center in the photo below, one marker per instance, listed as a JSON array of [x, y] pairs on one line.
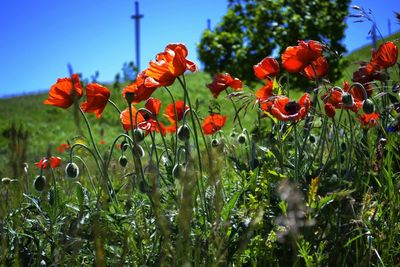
[[292, 107]]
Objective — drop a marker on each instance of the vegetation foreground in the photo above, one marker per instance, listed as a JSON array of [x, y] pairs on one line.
[[264, 178]]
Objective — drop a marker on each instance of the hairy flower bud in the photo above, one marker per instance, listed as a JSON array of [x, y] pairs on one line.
[[5, 181], [71, 170], [183, 133], [123, 161], [347, 100], [215, 142], [368, 106], [138, 150], [178, 170], [241, 138], [40, 183], [124, 145], [138, 134]]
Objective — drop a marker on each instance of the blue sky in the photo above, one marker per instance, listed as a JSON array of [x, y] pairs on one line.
[[38, 38]]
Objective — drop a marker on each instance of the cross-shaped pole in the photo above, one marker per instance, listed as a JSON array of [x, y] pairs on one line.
[[137, 16]]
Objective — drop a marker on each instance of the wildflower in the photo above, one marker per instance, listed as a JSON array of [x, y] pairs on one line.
[[63, 147], [369, 120], [329, 110], [169, 65], [297, 58], [138, 91], [385, 56], [63, 93], [320, 66], [96, 99], [222, 81], [54, 162], [266, 91], [284, 109], [213, 123], [127, 121], [150, 124], [266, 68], [352, 100], [180, 108]]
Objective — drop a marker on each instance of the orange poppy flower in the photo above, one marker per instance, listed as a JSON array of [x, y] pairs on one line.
[[126, 119], [369, 120], [62, 148], [54, 162], [266, 91], [63, 93], [139, 91], [268, 67], [321, 68], [149, 124], [334, 97], [222, 81], [285, 110], [180, 110], [385, 56], [296, 58], [96, 99], [329, 110], [168, 65], [213, 123]]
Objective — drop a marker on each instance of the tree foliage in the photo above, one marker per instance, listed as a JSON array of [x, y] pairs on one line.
[[254, 29]]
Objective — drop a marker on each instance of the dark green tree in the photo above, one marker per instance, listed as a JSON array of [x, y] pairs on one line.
[[254, 29]]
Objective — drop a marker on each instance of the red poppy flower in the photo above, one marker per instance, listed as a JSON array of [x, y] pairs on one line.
[[296, 58], [321, 68], [139, 91], [213, 123], [369, 120], [168, 65], [96, 99], [126, 119], [102, 142], [385, 56], [266, 91], [149, 123], [63, 93], [334, 97], [329, 110], [62, 148], [222, 81], [285, 110], [54, 163], [268, 67], [180, 110]]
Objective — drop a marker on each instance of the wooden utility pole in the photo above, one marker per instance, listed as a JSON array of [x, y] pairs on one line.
[[136, 17]]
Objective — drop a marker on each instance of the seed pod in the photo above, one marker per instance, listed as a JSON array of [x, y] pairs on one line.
[[183, 133], [241, 138], [71, 170], [368, 106], [123, 161], [347, 100], [138, 134], [40, 183], [178, 170]]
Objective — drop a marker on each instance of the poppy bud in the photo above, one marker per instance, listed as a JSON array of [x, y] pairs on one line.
[[347, 100], [215, 142], [40, 183], [233, 134], [183, 133], [312, 139], [5, 181], [343, 147], [138, 150], [143, 187], [178, 170], [123, 161], [241, 138], [72, 170], [368, 106], [138, 134], [124, 145]]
